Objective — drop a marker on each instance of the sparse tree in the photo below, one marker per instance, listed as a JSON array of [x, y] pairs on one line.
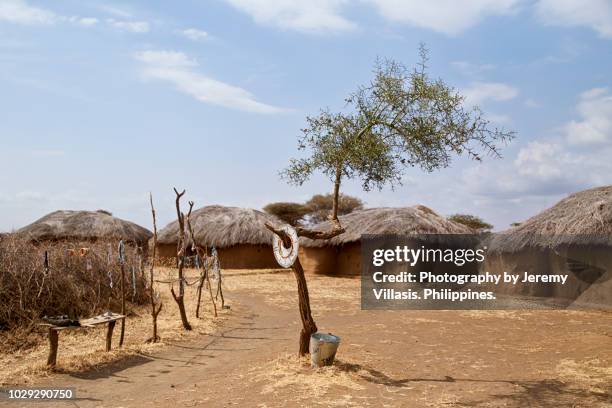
[[402, 118], [473, 222], [320, 206], [291, 213]]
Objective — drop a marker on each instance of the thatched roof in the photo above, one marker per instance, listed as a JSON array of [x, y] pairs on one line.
[[220, 226], [388, 221], [583, 218], [86, 225]]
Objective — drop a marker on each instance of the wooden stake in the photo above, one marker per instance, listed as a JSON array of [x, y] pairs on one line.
[[109, 334], [53, 341], [122, 265], [154, 309]]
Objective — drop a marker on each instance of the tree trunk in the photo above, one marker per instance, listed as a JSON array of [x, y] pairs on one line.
[[180, 254], [181, 305], [308, 325]]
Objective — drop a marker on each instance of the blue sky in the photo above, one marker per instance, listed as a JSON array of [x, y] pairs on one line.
[[103, 102]]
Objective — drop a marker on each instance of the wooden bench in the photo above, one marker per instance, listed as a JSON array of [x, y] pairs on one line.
[[107, 318]]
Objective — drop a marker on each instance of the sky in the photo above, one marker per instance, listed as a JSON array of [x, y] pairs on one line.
[[102, 102]]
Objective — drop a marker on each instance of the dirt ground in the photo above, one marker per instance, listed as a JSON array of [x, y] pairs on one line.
[[386, 358]]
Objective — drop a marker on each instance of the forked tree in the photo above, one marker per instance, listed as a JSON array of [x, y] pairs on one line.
[[181, 253], [202, 254], [403, 118]]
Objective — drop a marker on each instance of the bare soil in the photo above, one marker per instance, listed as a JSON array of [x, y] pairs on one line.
[[386, 358]]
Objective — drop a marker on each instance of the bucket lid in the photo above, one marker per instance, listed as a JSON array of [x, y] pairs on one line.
[[326, 337]]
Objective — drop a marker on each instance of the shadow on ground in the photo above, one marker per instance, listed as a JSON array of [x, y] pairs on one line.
[[540, 393]]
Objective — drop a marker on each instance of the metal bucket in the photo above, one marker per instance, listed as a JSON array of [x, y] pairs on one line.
[[323, 347]]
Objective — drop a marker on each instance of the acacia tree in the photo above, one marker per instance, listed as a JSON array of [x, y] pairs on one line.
[[472, 221], [321, 205], [402, 118], [291, 213]]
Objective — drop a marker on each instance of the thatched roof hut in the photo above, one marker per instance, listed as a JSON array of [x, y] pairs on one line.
[[239, 234], [572, 237], [342, 254], [85, 225], [405, 220], [583, 218]]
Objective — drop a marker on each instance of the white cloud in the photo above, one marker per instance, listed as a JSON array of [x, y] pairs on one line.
[[170, 59], [450, 17], [178, 69], [131, 26], [544, 170], [595, 124], [20, 12], [115, 11], [308, 16], [544, 161], [595, 14], [481, 92], [83, 21], [469, 68], [194, 34]]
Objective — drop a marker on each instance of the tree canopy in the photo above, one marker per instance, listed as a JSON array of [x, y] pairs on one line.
[[291, 213], [315, 210], [402, 118], [471, 221]]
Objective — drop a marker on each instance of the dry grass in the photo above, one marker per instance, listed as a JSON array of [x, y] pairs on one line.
[[72, 284], [279, 288], [220, 226], [593, 373], [309, 384], [83, 349], [388, 221], [582, 218]]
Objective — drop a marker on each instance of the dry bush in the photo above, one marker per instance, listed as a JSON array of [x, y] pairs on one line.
[[74, 285]]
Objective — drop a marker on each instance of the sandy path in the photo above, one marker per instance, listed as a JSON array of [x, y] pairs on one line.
[[186, 373], [387, 358]]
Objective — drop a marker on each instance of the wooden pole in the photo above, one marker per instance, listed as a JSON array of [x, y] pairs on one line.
[[109, 334], [154, 309], [53, 341], [122, 265]]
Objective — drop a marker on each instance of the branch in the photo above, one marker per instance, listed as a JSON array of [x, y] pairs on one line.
[[337, 229]]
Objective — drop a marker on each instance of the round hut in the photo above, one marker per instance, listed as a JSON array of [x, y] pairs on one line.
[[92, 226], [341, 255], [573, 237], [239, 235]]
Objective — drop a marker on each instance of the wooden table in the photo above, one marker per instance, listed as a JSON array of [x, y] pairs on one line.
[[106, 318]]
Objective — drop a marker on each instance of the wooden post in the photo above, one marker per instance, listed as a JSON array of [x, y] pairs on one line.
[[122, 265], [53, 341], [109, 334]]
